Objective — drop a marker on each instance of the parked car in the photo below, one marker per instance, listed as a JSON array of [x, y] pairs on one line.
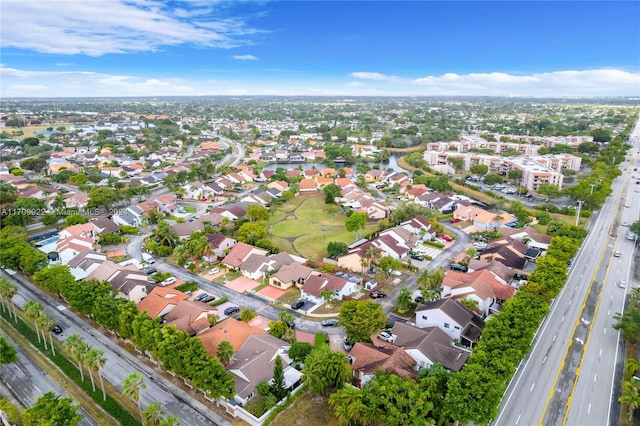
[[386, 336], [297, 304], [214, 271], [378, 294], [332, 322], [456, 267], [208, 299], [168, 281], [456, 220], [446, 237], [347, 345], [231, 310], [416, 256], [419, 299], [394, 272], [150, 271], [200, 297], [56, 329]]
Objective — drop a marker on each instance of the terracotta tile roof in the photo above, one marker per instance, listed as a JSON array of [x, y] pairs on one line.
[[159, 299], [234, 331], [238, 253], [368, 358]]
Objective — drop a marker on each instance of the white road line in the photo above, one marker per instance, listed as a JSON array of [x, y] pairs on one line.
[[595, 377], [576, 288], [571, 300], [562, 320], [532, 386], [544, 360], [605, 330], [589, 409], [37, 388], [600, 351], [554, 337], [609, 312], [18, 368], [518, 419]]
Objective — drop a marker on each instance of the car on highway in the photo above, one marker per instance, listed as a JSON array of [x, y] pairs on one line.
[[331, 322], [231, 310], [617, 253], [297, 304], [56, 329], [377, 294], [625, 223], [622, 284]]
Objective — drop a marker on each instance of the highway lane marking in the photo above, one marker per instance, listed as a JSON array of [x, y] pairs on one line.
[[518, 419], [595, 377], [37, 388], [554, 337], [544, 360], [600, 351], [18, 368], [532, 386], [562, 320], [605, 330], [589, 409]]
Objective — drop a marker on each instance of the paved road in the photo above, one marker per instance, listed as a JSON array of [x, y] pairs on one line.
[[543, 386], [27, 382], [121, 363]]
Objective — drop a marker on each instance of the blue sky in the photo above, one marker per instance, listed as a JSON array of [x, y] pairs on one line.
[[419, 48]]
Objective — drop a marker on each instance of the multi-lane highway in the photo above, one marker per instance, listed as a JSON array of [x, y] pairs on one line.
[[569, 376], [121, 363], [27, 382]]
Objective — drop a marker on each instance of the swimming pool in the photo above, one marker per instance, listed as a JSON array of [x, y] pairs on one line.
[[47, 241]]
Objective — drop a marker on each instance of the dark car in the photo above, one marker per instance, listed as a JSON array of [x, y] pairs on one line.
[[416, 256], [456, 267], [200, 297], [297, 304], [231, 310], [150, 271], [419, 299], [332, 322], [56, 329], [207, 299], [377, 294]]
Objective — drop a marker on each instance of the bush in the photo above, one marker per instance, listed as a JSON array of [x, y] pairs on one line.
[[188, 286], [219, 301], [434, 244]]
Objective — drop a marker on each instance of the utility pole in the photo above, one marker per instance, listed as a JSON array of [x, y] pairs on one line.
[[592, 185], [578, 211]]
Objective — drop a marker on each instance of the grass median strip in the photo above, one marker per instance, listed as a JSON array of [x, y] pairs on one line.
[[67, 376]]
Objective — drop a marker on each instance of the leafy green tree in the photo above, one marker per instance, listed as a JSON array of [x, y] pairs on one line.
[[356, 222], [51, 409], [152, 415], [601, 134], [298, 351], [630, 396], [278, 387], [404, 302], [336, 248], [492, 179], [250, 232], [456, 162], [47, 321], [54, 278], [479, 169], [131, 387], [72, 346], [635, 227], [14, 415], [256, 212], [8, 353], [331, 192], [247, 314], [74, 219], [225, 352], [350, 407], [515, 175], [549, 190], [362, 319], [324, 369], [388, 264], [629, 325]]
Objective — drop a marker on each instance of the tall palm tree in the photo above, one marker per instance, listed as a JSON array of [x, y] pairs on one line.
[[72, 343], [131, 387], [630, 396], [225, 352], [33, 310], [246, 314], [497, 220], [96, 360], [348, 405], [88, 358], [152, 415], [46, 322], [7, 291], [170, 420], [364, 262]]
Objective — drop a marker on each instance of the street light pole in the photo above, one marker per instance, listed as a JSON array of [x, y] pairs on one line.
[[578, 212]]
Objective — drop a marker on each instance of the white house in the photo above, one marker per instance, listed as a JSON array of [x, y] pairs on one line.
[[453, 318]]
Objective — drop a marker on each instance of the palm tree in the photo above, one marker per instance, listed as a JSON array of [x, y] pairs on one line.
[[348, 405], [225, 352], [95, 361], [170, 420], [497, 220], [631, 366], [630, 396], [364, 262], [71, 344], [33, 310], [7, 291], [131, 387], [327, 296], [58, 203], [152, 415], [46, 322], [246, 314]]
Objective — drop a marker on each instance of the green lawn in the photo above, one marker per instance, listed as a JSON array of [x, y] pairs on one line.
[[189, 209], [299, 229], [313, 409]]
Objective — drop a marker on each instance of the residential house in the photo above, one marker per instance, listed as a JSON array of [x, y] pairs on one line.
[[492, 220], [220, 245], [190, 316], [477, 286], [131, 216], [77, 201], [314, 285], [254, 363], [467, 212], [229, 329], [185, 229], [419, 227], [84, 263], [104, 225], [239, 253], [161, 301], [294, 274], [452, 317], [373, 175], [307, 185], [427, 346], [367, 359], [126, 281]]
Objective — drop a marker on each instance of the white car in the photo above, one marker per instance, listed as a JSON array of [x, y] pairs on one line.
[[394, 272], [386, 336], [168, 281], [622, 284], [214, 271]]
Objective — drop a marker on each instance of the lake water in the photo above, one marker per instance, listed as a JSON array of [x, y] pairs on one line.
[[390, 163]]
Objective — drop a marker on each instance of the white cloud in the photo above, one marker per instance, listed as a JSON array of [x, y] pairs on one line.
[[98, 27], [65, 83], [245, 57], [600, 82]]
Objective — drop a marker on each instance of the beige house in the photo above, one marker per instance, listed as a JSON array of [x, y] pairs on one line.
[[294, 274]]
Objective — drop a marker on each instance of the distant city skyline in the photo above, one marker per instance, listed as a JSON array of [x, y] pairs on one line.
[[97, 48]]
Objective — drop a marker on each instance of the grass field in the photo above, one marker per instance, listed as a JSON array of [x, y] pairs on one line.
[[307, 410], [302, 226]]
